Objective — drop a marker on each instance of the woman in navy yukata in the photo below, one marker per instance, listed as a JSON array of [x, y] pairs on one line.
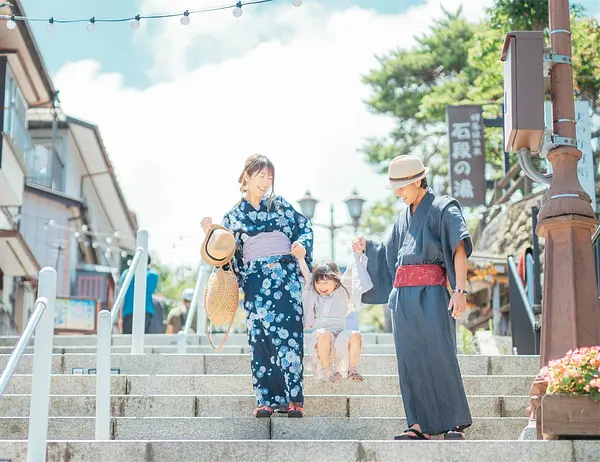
[[428, 246], [269, 233]]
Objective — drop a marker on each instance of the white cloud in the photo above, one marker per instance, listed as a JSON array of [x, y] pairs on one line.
[[281, 81]]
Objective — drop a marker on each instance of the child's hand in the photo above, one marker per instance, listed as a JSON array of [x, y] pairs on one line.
[[359, 244], [298, 250]]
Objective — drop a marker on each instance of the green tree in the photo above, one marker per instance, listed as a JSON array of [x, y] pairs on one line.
[[172, 281]]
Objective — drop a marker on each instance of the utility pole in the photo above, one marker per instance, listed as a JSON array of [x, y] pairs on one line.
[[571, 311]]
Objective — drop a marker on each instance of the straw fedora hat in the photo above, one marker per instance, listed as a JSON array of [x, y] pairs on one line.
[[404, 170], [218, 246]]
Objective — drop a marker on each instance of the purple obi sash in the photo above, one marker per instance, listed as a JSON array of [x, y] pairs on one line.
[[263, 245]]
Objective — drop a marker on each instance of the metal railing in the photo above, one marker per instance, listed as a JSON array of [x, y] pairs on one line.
[[42, 323], [106, 321], [525, 329], [196, 306]]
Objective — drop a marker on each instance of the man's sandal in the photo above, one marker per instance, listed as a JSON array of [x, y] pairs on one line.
[[454, 434], [416, 435]]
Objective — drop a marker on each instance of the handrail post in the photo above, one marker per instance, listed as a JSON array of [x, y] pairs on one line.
[[103, 352], [42, 368], [139, 296]]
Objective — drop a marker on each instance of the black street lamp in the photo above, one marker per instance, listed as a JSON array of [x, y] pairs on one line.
[[354, 203]]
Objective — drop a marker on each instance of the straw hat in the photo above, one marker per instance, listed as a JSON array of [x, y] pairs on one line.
[[404, 170], [218, 246]]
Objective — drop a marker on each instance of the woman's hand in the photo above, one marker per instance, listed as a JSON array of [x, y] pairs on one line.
[[206, 224], [359, 244], [298, 250], [458, 305]]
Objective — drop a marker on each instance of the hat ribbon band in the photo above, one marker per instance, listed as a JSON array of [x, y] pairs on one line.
[[206, 249], [406, 178]]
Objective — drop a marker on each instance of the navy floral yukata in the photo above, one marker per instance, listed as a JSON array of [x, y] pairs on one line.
[[272, 299]]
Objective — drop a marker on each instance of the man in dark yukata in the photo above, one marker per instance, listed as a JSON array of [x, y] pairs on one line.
[[427, 249]]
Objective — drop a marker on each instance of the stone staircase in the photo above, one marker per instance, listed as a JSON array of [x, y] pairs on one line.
[[198, 407]]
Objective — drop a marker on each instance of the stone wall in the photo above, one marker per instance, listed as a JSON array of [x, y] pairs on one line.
[[510, 232]]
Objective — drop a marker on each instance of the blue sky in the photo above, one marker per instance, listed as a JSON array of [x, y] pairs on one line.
[[115, 45]]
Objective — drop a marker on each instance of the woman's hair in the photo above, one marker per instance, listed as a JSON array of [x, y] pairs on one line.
[[327, 271], [254, 164]]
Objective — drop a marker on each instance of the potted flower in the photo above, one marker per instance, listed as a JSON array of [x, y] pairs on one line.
[[571, 405]]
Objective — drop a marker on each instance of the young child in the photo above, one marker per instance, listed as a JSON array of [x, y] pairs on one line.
[[328, 299]]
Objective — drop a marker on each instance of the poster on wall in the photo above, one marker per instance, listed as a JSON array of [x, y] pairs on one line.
[[75, 315]]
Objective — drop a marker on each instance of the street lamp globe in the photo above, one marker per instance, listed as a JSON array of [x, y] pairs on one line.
[[307, 205], [355, 205]]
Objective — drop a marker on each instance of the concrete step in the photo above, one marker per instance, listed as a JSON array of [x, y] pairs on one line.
[[309, 451], [373, 385], [234, 384], [164, 339], [237, 364], [243, 405], [237, 428], [172, 349]]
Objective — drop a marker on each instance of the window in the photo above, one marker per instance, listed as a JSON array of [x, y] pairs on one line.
[[15, 114], [45, 166]]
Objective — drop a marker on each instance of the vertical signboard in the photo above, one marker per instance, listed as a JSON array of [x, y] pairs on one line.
[[466, 154], [585, 167]]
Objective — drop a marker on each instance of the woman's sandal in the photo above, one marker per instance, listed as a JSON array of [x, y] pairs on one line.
[[295, 410], [454, 434], [263, 411], [335, 377], [354, 375], [416, 435]]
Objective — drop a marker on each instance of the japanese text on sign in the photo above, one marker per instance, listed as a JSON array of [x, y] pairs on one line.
[[466, 149]]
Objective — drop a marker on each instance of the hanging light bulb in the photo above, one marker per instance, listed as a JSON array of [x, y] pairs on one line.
[[51, 222], [50, 25], [91, 26], [11, 24], [297, 3], [116, 234], [185, 19], [84, 228], [124, 254], [95, 245], [77, 234], [237, 11], [135, 23], [108, 240]]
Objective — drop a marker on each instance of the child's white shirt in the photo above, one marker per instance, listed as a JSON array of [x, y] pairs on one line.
[[330, 311]]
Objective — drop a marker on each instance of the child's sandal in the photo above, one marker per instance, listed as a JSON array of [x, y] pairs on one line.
[[335, 377], [354, 375]]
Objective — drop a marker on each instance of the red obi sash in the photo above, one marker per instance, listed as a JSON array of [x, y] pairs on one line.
[[420, 275]]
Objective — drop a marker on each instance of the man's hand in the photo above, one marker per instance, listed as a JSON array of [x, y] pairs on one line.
[[458, 305]]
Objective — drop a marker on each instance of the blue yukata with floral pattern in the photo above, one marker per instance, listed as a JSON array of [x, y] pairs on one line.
[[272, 299]]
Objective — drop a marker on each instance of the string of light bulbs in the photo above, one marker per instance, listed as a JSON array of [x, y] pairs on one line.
[[135, 21]]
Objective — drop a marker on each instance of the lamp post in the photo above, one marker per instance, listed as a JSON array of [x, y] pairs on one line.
[[354, 203]]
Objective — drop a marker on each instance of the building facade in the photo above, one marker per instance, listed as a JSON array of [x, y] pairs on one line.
[[60, 202]]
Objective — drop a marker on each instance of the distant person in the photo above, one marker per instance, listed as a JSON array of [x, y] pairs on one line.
[[178, 314], [126, 321], [157, 325]]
